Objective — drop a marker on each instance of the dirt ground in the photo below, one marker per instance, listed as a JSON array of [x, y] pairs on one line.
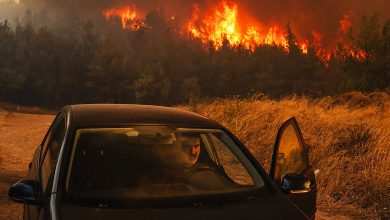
[[19, 136]]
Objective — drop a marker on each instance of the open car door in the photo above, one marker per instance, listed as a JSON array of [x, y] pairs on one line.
[[291, 169]]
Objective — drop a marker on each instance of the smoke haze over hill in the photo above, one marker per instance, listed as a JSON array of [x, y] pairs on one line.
[[323, 16]]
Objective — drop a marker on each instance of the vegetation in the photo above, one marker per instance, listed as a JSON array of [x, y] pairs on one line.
[[39, 66], [348, 138], [348, 135]]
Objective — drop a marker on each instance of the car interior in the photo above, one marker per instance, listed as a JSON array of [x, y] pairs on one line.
[[143, 166]]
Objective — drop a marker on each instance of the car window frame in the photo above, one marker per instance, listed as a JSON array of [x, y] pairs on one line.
[[48, 136], [303, 149], [61, 116], [265, 189]]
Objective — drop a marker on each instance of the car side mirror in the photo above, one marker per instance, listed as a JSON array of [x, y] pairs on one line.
[[295, 183], [25, 191]]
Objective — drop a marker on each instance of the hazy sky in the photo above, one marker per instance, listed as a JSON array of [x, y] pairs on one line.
[[16, 1]]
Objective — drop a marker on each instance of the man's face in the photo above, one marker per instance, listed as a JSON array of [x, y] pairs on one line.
[[190, 148]]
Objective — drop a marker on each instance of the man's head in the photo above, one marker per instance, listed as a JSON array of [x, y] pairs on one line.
[[190, 148]]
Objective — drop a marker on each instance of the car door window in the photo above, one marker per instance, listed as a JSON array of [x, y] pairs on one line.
[[291, 156], [51, 155]]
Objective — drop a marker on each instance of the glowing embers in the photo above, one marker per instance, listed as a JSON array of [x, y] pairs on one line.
[[128, 16]]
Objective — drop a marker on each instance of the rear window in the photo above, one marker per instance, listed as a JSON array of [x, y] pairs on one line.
[[149, 162]]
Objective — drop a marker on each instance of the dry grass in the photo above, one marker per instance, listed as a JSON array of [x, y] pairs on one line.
[[348, 137]]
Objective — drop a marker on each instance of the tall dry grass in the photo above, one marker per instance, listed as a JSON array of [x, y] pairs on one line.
[[348, 138]]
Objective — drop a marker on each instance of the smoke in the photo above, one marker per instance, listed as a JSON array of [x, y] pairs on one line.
[[316, 13], [304, 16], [12, 11]]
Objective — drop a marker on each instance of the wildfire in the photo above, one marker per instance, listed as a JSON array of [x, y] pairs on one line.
[[223, 25], [304, 48], [128, 16], [346, 23]]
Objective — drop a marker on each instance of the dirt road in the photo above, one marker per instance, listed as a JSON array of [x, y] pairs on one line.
[[19, 136]]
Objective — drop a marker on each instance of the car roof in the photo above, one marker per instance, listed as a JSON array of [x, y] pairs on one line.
[[130, 114]]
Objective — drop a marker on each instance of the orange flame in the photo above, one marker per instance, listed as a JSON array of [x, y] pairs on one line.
[[304, 47], [223, 25], [128, 16], [345, 26], [346, 23]]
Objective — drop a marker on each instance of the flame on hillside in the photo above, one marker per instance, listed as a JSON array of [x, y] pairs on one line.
[[224, 24], [128, 16]]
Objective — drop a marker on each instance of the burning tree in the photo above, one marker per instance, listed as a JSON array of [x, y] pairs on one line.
[[168, 60]]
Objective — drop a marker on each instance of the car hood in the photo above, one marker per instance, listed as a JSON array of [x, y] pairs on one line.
[[275, 206]]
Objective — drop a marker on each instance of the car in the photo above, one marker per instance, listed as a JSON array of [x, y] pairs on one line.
[[116, 161]]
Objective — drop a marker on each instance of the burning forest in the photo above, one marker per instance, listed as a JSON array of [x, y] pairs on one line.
[[225, 22], [248, 64], [172, 52]]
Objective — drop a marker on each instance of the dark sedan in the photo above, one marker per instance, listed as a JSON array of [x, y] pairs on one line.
[[150, 162]]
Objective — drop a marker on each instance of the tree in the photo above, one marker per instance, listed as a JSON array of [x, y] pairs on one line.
[[106, 74], [7, 44], [386, 53], [292, 41], [368, 38]]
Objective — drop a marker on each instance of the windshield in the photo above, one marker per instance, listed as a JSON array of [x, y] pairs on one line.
[[156, 162]]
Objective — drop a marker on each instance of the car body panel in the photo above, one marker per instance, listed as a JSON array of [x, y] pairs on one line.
[[276, 205], [273, 206], [110, 114]]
